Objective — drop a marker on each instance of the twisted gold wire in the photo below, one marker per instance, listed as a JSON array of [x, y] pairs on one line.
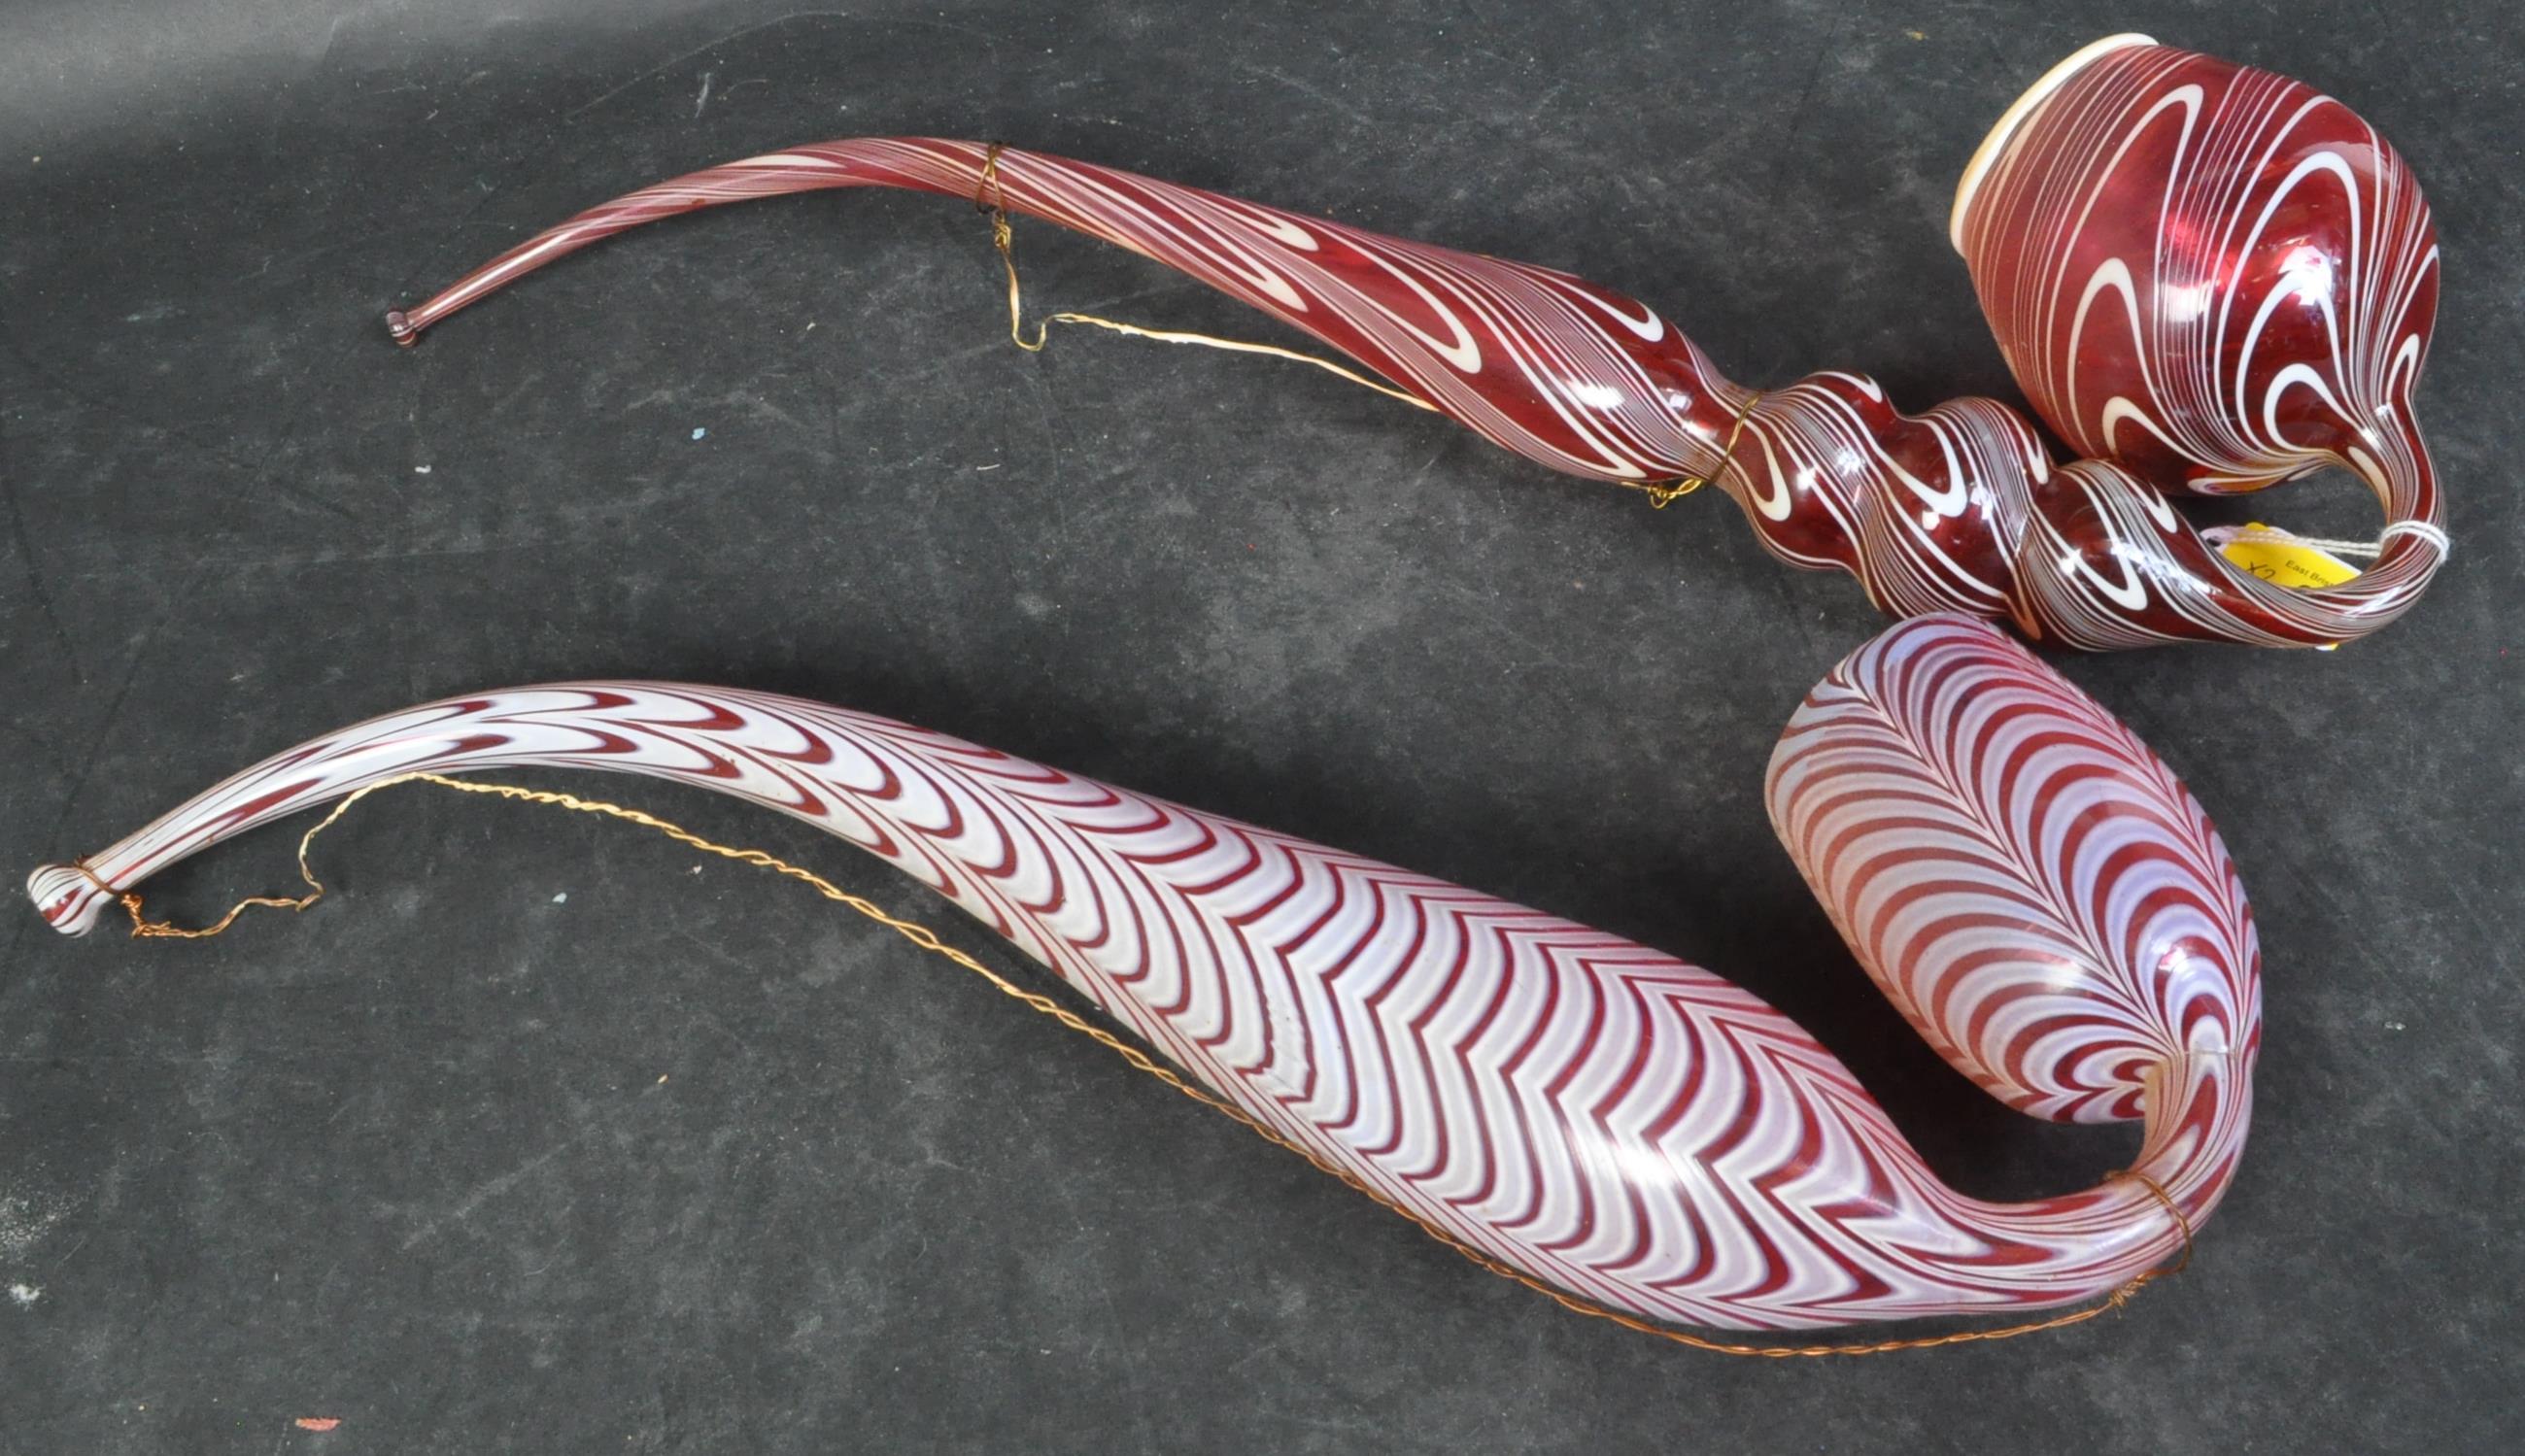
[[988, 198]]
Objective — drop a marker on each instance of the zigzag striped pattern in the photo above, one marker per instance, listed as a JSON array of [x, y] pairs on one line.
[[2020, 874]]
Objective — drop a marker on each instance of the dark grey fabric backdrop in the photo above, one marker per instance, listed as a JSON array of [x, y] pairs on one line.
[[408, 1162]]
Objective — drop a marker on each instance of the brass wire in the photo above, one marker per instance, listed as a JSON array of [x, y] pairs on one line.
[[1664, 493], [988, 198]]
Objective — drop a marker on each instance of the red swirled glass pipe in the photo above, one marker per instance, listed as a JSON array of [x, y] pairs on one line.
[[2206, 278], [2028, 883]]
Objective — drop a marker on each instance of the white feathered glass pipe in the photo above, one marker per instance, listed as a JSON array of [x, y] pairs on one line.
[[2032, 888], [2207, 277]]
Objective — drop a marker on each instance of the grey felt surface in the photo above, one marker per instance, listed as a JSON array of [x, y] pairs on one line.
[[408, 1162]]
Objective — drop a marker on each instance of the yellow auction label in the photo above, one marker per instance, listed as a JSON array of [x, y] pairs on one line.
[[2288, 563]]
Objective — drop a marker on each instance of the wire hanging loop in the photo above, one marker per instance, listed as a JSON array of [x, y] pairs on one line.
[[990, 199], [928, 939], [1664, 493]]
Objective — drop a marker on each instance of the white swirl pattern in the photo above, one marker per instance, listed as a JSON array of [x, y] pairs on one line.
[[2091, 238], [2217, 279]]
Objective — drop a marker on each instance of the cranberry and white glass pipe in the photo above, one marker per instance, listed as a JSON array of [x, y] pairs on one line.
[[2027, 882], [2207, 276]]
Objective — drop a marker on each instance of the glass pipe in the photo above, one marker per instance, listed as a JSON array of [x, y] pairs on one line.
[[2027, 882], [2206, 277]]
